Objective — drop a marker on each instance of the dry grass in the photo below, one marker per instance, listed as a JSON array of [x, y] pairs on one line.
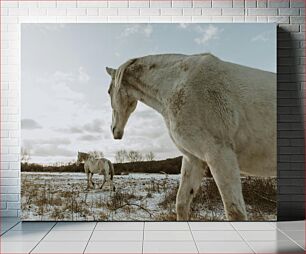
[[259, 194], [119, 199], [166, 217], [71, 202]]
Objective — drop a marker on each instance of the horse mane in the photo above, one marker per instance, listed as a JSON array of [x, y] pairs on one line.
[[120, 72]]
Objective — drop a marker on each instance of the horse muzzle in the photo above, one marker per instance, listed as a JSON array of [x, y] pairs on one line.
[[117, 134]]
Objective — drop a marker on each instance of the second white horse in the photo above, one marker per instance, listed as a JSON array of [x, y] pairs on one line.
[[99, 166]]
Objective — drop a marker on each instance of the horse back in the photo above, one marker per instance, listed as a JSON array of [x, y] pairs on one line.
[[231, 104]]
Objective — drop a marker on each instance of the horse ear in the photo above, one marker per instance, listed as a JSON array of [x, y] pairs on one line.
[[120, 72], [111, 71]]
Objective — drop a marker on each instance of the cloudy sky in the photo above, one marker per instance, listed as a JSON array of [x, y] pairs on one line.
[[65, 105]]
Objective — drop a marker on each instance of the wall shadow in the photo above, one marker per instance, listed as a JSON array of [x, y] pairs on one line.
[[290, 129]]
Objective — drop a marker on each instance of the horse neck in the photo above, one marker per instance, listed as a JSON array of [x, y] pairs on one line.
[[87, 160], [151, 87]]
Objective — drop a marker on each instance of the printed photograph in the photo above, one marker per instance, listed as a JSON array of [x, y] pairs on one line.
[[148, 122]]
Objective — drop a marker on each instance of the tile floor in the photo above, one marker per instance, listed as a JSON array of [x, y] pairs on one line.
[[152, 237]]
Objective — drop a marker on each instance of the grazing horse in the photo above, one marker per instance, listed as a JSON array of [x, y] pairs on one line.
[[217, 113], [96, 166]]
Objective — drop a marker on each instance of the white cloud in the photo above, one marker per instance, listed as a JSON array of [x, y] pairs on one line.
[[50, 141], [29, 124], [183, 25], [61, 84], [263, 37], [95, 126], [52, 150], [63, 76], [148, 30], [83, 75], [62, 91], [70, 130], [46, 147], [206, 34], [133, 29], [90, 138]]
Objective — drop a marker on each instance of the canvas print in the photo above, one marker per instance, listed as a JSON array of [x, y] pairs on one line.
[[148, 122]]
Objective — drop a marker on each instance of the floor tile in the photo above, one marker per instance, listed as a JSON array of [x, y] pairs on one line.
[[119, 226], [17, 247], [166, 226], [33, 226], [63, 226], [9, 224], [291, 225], [273, 224], [22, 236], [169, 247], [301, 243], [60, 247], [101, 236], [216, 236], [297, 236], [253, 226], [223, 247], [211, 226], [276, 247], [114, 247], [167, 236], [273, 235], [3, 230], [69, 236], [5, 226]]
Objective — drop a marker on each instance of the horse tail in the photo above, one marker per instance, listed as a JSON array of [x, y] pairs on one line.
[[112, 170]]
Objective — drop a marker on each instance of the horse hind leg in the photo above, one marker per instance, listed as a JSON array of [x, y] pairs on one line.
[[191, 176], [111, 185], [225, 170], [104, 181]]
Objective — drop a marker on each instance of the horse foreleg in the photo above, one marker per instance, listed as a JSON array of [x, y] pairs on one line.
[[91, 183], [87, 175], [225, 170], [191, 175]]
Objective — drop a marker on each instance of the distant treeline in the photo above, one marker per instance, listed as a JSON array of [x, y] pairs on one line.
[[169, 166]]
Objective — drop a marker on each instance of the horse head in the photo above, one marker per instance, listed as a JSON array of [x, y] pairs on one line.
[[81, 158], [122, 103]]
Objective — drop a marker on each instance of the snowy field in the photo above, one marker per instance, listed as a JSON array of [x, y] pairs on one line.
[[149, 197]]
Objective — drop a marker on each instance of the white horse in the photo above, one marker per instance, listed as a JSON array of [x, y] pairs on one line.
[[218, 114], [97, 166]]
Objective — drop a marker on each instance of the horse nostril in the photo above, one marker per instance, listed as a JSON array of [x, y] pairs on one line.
[[113, 129]]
